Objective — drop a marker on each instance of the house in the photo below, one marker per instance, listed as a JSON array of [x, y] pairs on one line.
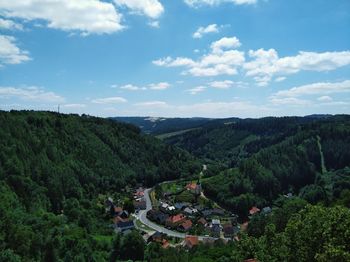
[[181, 205], [165, 244], [139, 192], [289, 195], [251, 260], [190, 211], [215, 230], [116, 210], [123, 214], [202, 221], [118, 219], [140, 205], [195, 188], [157, 216], [244, 226], [218, 212], [166, 208], [190, 241], [186, 225], [266, 210], [200, 208], [207, 213], [174, 221], [254, 210], [122, 227], [156, 237], [215, 222]]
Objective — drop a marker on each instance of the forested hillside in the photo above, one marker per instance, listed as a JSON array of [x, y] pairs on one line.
[[311, 162], [53, 168], [230, 140]]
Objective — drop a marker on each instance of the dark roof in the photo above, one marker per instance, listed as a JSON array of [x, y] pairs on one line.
[[126, 224], [180, 205]]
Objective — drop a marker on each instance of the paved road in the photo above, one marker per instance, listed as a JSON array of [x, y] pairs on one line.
[[143, 218]]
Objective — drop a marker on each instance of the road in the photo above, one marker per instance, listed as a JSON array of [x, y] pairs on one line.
[[143, 218]]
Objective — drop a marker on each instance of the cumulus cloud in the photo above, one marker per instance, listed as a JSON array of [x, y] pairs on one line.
[[266, 64], [222, 84], [85, 16], [150, 8], [10, 53], [196, 90], [322, 88], [225, 43], [197, 3], [213, 28], [131, 87], [159, 86], [33, 93], [109, 100], [10, 25], [218, 61], [152, 104]]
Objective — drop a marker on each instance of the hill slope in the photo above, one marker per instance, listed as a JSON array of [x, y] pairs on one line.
[[53, 164]]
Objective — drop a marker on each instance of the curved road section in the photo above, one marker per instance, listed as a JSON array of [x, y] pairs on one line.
[[143, 218]]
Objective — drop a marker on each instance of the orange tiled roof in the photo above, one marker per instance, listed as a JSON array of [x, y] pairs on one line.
[[186, 224], [254, 210], [191, 240], [176, 218], [191, 186]]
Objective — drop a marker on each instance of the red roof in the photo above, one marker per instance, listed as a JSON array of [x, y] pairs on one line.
[[244, 226], [254, 210], [165, 243], [118, 209], [191, 241], [251, 260], [187, 224], [176, 218], [191, 186]]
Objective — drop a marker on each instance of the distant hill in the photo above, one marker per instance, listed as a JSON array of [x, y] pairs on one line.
[[160, 125]]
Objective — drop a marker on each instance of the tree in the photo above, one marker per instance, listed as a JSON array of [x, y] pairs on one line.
[[132, 246]]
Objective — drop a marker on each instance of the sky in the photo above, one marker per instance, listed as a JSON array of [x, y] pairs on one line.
[[176, 58]]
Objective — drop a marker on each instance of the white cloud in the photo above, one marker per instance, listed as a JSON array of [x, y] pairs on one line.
[[196, 90], [32, 93], [280, 79], [154, 24], [225, 43], [152, 104], [323, 88], [222, 84], [159, 86], [9, 25], [197, 3], [289, 101], [109, 100], [131, 87], [217, 62], [266, 63], [150, 8], [213, 28], [74, 106], [325, 99], [10, 53], [86, 16]]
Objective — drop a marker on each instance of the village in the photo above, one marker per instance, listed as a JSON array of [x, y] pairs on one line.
[[177, 213]]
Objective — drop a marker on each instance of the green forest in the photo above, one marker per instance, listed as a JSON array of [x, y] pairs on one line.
[[56, 168]]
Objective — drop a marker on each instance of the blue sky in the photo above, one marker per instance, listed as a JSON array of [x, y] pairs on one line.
[[209, 58]]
